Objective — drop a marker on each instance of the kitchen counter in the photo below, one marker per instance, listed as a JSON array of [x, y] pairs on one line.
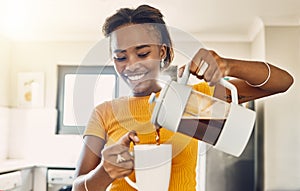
[[33, 173], [15, 164]]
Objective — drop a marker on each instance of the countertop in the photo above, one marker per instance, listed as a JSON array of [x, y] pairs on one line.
[[18, 164]]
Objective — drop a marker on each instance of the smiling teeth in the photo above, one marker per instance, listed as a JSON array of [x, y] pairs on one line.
[[136, 77]]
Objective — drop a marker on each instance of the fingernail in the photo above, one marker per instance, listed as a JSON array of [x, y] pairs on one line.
[[136, 139]]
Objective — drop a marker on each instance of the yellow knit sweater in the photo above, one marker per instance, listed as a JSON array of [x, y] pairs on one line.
[[111, 120]]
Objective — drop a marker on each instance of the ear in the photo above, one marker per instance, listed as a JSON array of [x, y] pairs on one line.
[[163, 51]]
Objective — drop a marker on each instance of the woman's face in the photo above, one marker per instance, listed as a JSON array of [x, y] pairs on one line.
[[137, 53]]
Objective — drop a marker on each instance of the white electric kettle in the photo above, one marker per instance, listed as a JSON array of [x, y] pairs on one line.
[[225, 126]]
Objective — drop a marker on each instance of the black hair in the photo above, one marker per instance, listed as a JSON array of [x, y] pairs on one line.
[[144, 14]]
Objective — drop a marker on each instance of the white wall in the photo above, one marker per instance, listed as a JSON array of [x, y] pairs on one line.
[[258, 48], [4, 127], [32, 131], [238, 50], [282, 123], [44, 57], [5, 55], [32, 138]]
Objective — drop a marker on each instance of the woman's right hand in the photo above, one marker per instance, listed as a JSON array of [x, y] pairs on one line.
[[117, 160], [208, 65]]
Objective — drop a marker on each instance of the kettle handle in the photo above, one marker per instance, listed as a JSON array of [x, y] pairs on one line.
[[232, 88], [186, 74]]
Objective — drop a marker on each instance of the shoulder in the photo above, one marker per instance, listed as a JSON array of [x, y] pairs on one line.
[[107, 106]]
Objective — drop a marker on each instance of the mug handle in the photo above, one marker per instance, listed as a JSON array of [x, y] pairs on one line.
[[131, 183]]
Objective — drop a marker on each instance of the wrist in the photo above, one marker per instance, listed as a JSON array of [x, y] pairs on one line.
[[105, 174], [226, 67], [231, 67], [97, 179]]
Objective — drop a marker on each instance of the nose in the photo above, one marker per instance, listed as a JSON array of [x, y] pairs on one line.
[[132, 63]]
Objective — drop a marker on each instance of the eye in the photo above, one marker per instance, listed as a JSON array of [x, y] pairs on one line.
[[120, 59], [143, 55]]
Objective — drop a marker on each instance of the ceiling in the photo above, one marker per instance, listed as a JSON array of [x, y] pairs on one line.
[[82, 19]]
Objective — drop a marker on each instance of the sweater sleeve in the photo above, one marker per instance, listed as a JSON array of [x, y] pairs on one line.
[[95, 125]]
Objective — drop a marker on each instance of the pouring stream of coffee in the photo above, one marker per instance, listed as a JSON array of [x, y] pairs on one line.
[[157, 137]]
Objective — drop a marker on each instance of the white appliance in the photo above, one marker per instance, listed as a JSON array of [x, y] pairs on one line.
[[59, 178], [11, 181]]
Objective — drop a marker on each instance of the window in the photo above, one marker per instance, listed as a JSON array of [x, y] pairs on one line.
[[81, 88]]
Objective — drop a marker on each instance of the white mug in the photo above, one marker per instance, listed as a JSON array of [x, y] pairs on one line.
[[152, 164]]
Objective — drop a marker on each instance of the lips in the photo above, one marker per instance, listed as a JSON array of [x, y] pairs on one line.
[[134, 77]]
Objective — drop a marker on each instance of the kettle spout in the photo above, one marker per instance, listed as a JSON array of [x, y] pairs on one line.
[[157, 127]]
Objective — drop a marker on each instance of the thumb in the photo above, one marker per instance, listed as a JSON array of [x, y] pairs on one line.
[[131, 136]]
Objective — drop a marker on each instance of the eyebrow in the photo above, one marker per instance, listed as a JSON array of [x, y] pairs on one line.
[[137, 48]]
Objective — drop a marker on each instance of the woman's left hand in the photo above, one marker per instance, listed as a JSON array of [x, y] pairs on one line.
[[117, 160]]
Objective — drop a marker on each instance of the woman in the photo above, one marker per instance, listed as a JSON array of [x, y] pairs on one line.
[[141, 47]]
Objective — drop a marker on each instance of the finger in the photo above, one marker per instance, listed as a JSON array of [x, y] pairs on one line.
[[131, 136], [119, 160], [126, 165], [195, 65], [127, 155], [127, 172], [118, 170], [215, 79], [208, 75], [123, 173], [114, 149], [202, 69], [198, 60], [180, 71]]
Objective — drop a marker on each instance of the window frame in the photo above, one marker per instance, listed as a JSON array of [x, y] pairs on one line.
[[64, 70]]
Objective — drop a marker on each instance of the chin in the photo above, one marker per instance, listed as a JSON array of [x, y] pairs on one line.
[[142, 90], [145, 88], [138, 91]]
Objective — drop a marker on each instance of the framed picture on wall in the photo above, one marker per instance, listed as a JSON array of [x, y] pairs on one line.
[[31, 89]]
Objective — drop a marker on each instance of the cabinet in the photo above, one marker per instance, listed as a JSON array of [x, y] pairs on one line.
[[27, 179], [19, 180], [16, 176], [40, 179]]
